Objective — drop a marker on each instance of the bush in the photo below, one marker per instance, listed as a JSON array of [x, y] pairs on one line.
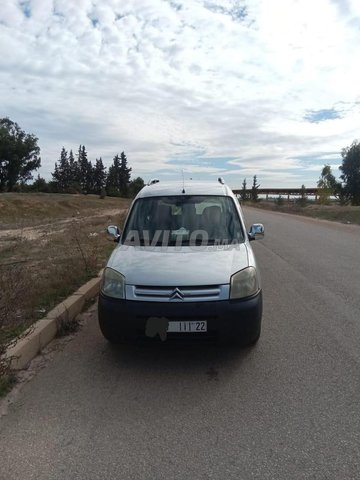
[[301, 202], [279, 201]]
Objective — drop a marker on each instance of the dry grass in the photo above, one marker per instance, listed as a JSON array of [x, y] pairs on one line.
[[334, 212], [49, 246], [26, 210]]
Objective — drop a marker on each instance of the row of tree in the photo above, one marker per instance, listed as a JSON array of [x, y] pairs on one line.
[[346, 190], [245, 195], [20, 157], [80, 175]]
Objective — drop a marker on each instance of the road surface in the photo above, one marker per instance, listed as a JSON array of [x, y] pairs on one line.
[[287, 409]]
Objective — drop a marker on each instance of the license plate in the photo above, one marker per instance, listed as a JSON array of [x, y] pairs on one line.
[[187, 327]]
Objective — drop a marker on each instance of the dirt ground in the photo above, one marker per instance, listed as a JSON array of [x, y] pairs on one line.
[[32, 233], [50, 244]]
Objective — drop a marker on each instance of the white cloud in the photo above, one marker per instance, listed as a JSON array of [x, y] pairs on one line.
[[165, 80]]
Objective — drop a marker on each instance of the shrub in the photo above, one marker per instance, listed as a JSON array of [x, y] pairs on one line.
[[279, 201]]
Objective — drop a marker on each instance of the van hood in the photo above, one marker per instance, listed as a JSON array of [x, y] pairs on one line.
[[187, 266]]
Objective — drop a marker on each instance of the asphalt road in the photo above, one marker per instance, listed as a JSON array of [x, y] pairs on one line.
[[287, 409]]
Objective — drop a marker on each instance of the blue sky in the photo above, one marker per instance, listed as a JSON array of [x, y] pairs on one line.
[[226, 88]]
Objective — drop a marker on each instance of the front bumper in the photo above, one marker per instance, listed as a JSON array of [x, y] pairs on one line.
[[226, 319]]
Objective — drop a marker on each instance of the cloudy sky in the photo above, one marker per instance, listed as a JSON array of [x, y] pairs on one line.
[[226, 88]]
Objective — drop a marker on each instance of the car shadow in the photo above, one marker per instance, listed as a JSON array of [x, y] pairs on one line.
[[175, 359]]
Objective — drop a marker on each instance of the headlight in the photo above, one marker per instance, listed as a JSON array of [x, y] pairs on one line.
[[113, 283], [244, 283]]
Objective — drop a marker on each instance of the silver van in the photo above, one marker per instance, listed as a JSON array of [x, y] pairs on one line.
[[183, 268]]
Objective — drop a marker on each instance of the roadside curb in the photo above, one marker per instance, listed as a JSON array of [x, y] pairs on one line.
[[41, 333]]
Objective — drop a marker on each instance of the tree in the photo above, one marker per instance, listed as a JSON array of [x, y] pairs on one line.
[[112, 182], [62, 172], [67, 176], [254, 190], [99, 176], [118, 178], [74, 171], [302, 201], [279, 201], [40, 185], [19, 155], [135, 186], [327, 184], [351, 172], [85, 171], [243, 194], [125, 172]]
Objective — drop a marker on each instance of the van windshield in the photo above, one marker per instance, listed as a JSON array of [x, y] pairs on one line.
[[183, 220]]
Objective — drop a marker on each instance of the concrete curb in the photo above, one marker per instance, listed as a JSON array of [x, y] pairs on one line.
[[43, 331]]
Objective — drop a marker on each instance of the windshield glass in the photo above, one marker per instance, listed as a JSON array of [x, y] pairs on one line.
[[183, 220]]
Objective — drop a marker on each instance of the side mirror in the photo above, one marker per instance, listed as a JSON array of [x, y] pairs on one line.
[[114, 231], [257, 230]]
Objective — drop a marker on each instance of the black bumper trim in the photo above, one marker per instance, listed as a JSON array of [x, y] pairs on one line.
[[225, 318]]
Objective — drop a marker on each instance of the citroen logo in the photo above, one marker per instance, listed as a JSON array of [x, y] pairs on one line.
[[177, 294]]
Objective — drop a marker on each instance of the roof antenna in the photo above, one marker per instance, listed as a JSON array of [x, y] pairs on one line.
[[182, 171]]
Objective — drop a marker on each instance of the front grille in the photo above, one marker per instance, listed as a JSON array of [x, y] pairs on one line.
[[174, 294]]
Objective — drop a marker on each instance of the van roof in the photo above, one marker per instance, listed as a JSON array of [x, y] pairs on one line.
[[191, 187]]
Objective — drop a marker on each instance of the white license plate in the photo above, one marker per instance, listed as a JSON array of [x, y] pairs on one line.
[[188, 327]]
